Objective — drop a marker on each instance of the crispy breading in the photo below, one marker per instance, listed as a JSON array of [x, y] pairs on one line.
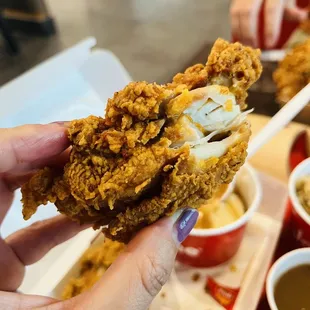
[[235, 66], [293, 72], [93, 264], [139, 101], [189, 184], [125, 170], [193, 77], [45, 186], [232, 65]]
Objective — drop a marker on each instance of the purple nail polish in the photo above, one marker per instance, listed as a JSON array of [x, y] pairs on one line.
[[62, 123], [185, 223], [59, 122]]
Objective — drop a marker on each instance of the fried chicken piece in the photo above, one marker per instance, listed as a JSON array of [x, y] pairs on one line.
[[158, 149], [93, 264], [293, 72]]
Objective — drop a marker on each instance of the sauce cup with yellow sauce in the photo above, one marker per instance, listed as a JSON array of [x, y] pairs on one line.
[[206, 247]]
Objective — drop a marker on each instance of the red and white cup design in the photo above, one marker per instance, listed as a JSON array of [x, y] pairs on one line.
[[300, 220], [281, 266], [214, 246]]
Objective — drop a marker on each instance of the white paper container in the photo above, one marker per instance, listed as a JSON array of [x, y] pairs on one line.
[[72, 84]]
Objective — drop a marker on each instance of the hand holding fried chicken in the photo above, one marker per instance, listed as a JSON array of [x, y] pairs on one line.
[[159, 148], [139, 272]]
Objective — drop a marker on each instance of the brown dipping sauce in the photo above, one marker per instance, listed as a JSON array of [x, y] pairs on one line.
[[292, 291]]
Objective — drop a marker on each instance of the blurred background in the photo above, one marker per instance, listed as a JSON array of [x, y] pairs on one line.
[[154, 39]]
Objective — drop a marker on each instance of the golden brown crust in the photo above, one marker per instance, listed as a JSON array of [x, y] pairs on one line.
[[138, 100], [188, 184], [124, 170], [293, 72], [232, 65], [45, 186], [193, 77]]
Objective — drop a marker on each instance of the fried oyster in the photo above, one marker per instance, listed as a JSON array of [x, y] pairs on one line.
[[158, 149]]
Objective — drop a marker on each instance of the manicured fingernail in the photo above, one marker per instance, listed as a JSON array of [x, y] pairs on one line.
[[185, 223], [61, 123]]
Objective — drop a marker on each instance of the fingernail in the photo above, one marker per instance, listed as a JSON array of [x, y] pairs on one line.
[[185, 223], [61, 123]]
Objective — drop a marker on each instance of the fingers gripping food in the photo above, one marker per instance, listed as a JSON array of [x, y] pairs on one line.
[[158, 149]]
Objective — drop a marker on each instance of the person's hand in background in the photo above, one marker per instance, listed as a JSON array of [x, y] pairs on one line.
[[244, 16], [130, 283]]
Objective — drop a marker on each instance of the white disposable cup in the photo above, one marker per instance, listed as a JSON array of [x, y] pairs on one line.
[[280, 267]]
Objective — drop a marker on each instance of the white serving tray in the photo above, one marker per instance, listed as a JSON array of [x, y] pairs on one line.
[[181, 293], [72, 84]]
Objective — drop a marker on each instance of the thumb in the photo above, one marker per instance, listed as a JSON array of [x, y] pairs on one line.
[[138, 274]]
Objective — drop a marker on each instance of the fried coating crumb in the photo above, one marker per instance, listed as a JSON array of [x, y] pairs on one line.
[[125, 172], [93, 264], [293, 72], [233, 268], [196, 277]]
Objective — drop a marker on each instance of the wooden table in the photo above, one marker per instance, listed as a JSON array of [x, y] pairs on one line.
[[272, 159]]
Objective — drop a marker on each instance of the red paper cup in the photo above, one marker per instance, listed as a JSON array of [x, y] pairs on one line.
[[300, 219], [211, 247]]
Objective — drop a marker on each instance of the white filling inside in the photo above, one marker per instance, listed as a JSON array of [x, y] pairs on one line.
[[217, 112], [216, 148]]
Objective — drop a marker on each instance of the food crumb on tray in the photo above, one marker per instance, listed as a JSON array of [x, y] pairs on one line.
[[233, 268], [196, 277]]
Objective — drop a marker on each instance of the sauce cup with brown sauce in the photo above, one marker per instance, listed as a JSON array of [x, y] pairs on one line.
[[288, 281]]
